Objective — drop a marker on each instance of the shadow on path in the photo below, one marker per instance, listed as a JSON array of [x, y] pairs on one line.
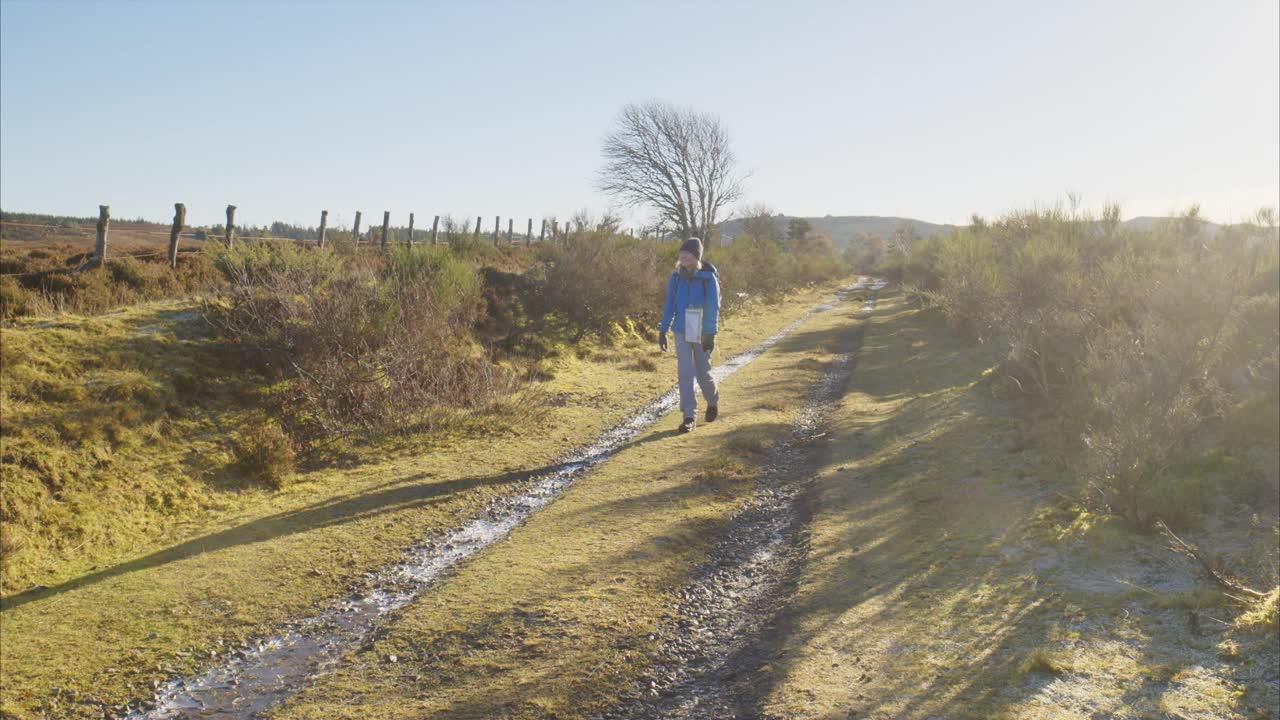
[[414, 493]]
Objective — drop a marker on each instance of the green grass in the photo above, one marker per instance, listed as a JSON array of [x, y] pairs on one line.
[[223, 561], [109, 439]]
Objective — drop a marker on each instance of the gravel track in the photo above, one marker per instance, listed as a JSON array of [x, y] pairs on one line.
[[711, 658]]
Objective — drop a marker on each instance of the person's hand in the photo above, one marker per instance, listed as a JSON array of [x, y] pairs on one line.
[[709, 343], [662, 342]]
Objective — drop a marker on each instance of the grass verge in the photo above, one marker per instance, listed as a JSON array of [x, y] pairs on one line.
[[944, 578]]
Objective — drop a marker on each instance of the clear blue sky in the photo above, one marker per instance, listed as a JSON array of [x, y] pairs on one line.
[[932, 110]]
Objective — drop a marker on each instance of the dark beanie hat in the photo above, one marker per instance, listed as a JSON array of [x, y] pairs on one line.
[[694, 246]]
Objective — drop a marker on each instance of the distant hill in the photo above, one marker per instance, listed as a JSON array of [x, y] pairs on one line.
[[1208, 230], [1144, 223], [842, 229]]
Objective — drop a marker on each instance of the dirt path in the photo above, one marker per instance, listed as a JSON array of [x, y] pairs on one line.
[[711, 654], [260, 676], [562, 618]]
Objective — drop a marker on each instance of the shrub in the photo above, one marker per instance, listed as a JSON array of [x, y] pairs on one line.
[[971, 283], [920, 269], [454, 284], [89, 293], [49, 283], [757, 266], [1151, 385], [253, 263], [595, 279], [361, 350], [15, 300], [514, 311], [264, 454], [1130, 341], [128, 271], [1251, 352], [1043, 311], [768, 268], [460, 236]]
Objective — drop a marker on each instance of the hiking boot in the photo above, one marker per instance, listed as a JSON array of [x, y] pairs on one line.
[[687, 425], [713, 412]]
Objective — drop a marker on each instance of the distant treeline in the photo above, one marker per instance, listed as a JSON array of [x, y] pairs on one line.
[[276, 229], [64, 220]]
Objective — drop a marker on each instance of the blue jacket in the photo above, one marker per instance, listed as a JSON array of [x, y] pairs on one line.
[[682, 294]]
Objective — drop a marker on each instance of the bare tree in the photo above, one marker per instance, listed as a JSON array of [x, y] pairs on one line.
[[674, 160], [759, 223], [903, 237]]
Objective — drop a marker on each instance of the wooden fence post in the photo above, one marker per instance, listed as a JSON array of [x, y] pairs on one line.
[[497, 225], [409, 241], [542, 236], [355, 230], [179, 219], [510, 225], [100, 247], [435, 229], [477, 232], [386, 223], [230, 236], [528, 234], [324, 222]]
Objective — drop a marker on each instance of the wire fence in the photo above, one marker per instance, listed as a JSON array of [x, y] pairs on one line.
[[132, 231], [124, 232], [208, 235]]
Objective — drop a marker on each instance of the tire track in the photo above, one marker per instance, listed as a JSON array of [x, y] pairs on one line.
[[710, 659]]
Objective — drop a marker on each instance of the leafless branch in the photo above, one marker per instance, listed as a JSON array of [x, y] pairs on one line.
[[676, 161], [1179, 545]]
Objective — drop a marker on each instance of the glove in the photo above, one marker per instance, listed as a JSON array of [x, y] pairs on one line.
[[709, 343], [662, 342]]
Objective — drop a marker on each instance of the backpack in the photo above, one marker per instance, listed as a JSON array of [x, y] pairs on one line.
[[708, 266]]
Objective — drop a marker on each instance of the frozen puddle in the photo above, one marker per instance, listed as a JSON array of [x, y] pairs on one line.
[[263, 674]]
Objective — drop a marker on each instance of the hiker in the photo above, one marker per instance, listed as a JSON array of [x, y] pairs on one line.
[[692, 310]]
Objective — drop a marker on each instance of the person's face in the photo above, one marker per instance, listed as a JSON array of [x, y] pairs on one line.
[[688, 259]]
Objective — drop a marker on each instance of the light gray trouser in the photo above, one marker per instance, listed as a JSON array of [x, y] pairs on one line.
[[692, 361]]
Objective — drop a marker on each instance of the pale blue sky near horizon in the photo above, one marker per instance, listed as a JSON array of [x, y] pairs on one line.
[[931, 110]]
